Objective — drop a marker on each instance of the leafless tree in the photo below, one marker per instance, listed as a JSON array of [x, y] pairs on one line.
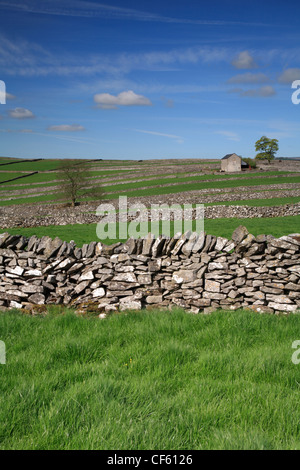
[[75, 182]]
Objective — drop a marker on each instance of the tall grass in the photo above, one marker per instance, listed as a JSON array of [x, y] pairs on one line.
[[149, 381]]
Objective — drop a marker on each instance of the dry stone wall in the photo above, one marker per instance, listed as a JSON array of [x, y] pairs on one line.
[[198, 272], [36, 215]]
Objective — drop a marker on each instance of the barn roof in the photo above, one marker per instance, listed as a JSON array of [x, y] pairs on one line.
[[229, 155]]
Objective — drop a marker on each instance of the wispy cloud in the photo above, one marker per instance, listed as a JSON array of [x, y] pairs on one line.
[[9, 96], [125, 98], [163, 88], [66, 128], [229, 135], [168, 103], [86, 9], [178, 139], [62, 137], [26, 58], [262, 92], [19, 131], [249, 78]]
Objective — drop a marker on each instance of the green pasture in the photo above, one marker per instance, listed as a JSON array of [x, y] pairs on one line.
[[149, 380], [162, 187], [85, 233]]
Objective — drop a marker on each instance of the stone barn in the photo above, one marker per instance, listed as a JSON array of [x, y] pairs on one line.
[[231, 163]]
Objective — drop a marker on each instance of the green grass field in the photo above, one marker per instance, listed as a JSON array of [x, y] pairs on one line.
[[8, 176], [149, 381], [45, 179], [146, 188], [179, 178], [7, 160], [179, 188], [276, 226], [42, 165], [52, 164]]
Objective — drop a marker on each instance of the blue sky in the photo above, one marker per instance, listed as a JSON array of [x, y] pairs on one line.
[[148, 79]]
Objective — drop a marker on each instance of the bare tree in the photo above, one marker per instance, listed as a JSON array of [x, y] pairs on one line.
[[75, 182]]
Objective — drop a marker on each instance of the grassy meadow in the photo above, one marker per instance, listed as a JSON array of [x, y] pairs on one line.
[[154, 380], [276, 226]]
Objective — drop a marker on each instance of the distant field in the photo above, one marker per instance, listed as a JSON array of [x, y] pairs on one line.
[[158, 186], [178, 179], [42, 165], [185, 178], [276, 226], [51, 176], [5, 160], [163, 162], [140, 175], [149, 179], [8, 176], [208, 185]]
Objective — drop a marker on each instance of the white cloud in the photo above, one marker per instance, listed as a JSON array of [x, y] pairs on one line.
[[244, 61], [229, 135], [289, 75], [9, 96], [125, 98], [66, 128], [249, 78], [21, 113]]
